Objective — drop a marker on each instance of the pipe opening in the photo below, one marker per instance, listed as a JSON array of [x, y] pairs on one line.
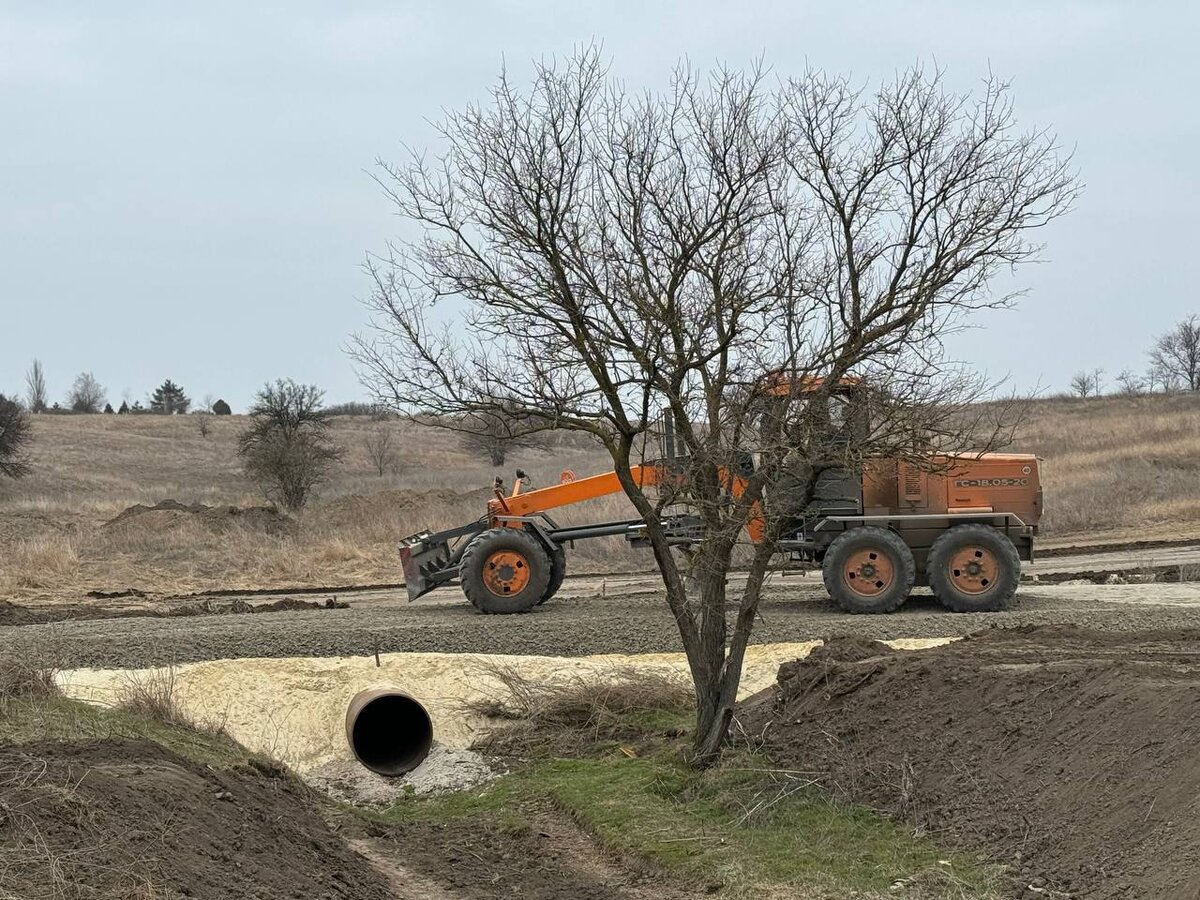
[[389, 732]]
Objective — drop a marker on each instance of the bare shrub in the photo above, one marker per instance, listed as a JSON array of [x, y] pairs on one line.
[[286, 448], [203, 420], [1129, 383], [559, 718]]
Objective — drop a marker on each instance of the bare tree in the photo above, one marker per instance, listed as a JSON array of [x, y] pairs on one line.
[[86, 395], [493, 433], [1175, 359], [35, 387], [1087, 384], [1130, 383], [287, 448], [728, 252], [16, 432], [381, 449]]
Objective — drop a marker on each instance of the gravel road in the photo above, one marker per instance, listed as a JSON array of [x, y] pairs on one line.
[[615, 616]]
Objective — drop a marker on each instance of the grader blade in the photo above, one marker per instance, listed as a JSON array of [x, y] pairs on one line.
[[429, 560]]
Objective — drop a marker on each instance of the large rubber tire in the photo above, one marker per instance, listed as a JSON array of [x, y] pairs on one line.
[[952, 562], [504, 570], [558, 571], [868, 570]]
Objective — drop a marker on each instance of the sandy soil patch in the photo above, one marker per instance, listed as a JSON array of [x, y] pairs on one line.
[[293, 709]]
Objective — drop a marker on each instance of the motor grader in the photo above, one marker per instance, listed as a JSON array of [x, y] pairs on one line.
[[961, 525]]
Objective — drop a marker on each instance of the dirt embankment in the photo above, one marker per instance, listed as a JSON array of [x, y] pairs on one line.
[[1068, 754], [127, 818]]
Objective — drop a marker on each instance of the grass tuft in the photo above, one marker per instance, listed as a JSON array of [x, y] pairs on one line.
[[23, 679], [152, 695]]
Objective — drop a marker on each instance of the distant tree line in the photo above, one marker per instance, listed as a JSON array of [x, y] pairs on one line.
[[88, 397], [1173, 367]]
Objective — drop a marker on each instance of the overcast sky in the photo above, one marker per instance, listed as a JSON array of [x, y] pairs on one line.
[[184, 188]]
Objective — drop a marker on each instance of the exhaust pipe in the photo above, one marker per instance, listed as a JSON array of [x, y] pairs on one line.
[[389, 732]]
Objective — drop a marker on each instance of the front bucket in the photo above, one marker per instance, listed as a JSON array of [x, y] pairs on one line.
[[389, 732]]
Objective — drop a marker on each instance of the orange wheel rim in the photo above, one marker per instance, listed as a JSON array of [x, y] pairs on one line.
[[973, 569], [868, 572], [506, 572]]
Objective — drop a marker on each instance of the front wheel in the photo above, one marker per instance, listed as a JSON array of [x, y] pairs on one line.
[[504, 570], [558, 572], [973, 568], [868, 570]]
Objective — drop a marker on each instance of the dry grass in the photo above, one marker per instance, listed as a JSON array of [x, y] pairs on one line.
[[153, 695], [542, 719], [1114, 466], [1118, 465], [24, 679]]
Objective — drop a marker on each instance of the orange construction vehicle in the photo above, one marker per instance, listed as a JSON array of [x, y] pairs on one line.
[[961, 526]]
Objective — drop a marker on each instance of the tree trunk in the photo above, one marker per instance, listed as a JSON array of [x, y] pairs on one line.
[[713, 709]]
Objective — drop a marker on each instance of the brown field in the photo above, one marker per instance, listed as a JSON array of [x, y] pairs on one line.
[[1120, 468], [55, 543]]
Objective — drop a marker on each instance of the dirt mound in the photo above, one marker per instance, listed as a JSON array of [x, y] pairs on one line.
[[13, 614], [172, 514], [123, 818], [354, 509], [286, 604], [1065, 753]]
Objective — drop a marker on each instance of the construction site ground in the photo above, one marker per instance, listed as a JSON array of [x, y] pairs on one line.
[[591, 615], [1057, 744], [1067, 754]]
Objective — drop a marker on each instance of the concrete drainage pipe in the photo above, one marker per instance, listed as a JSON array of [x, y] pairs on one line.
[[389, 732]]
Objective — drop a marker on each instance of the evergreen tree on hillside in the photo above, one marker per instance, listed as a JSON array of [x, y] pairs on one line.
[[221, 408], [124, 410], [16, 432], [168, 398]]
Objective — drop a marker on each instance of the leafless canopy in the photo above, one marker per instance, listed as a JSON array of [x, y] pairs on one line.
[[494, 432], [86, 395], [1088, 384], [587, 258], [1175, 359], [380, 445]]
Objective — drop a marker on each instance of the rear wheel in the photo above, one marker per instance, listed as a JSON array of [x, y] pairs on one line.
[[973, 568], [505, 570], [868, 570]]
